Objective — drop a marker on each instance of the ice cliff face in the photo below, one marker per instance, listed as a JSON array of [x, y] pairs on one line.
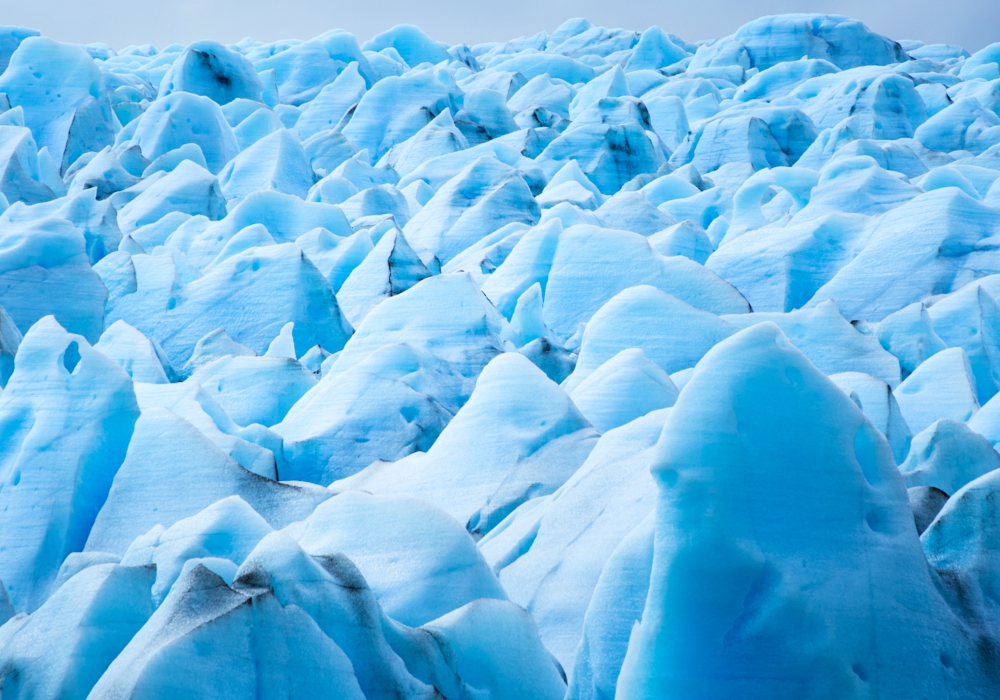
[[594, 364]]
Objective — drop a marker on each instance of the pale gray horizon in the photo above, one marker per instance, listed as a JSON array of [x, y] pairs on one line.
[[119, 23]]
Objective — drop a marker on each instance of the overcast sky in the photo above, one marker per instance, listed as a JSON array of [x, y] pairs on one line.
[[970, 23]]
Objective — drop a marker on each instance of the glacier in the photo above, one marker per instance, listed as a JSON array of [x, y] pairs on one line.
[[595, 364]]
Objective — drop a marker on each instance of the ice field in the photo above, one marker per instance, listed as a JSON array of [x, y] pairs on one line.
[[594, 364]]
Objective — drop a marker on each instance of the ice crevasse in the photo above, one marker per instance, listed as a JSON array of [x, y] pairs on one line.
[[591, 364]]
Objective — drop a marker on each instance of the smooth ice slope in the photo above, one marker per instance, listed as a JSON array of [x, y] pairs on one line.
[[947, 455], [550, 552], [68, 413], [669, 332], [419, 562], [622, 389], [616, 606], [78, 119], [65, 646], [172, 472], [842, 559], [43, 271], [395, 401], [518, 437]]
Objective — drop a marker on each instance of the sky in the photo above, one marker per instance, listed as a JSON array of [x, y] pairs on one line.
[[969, 23]]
